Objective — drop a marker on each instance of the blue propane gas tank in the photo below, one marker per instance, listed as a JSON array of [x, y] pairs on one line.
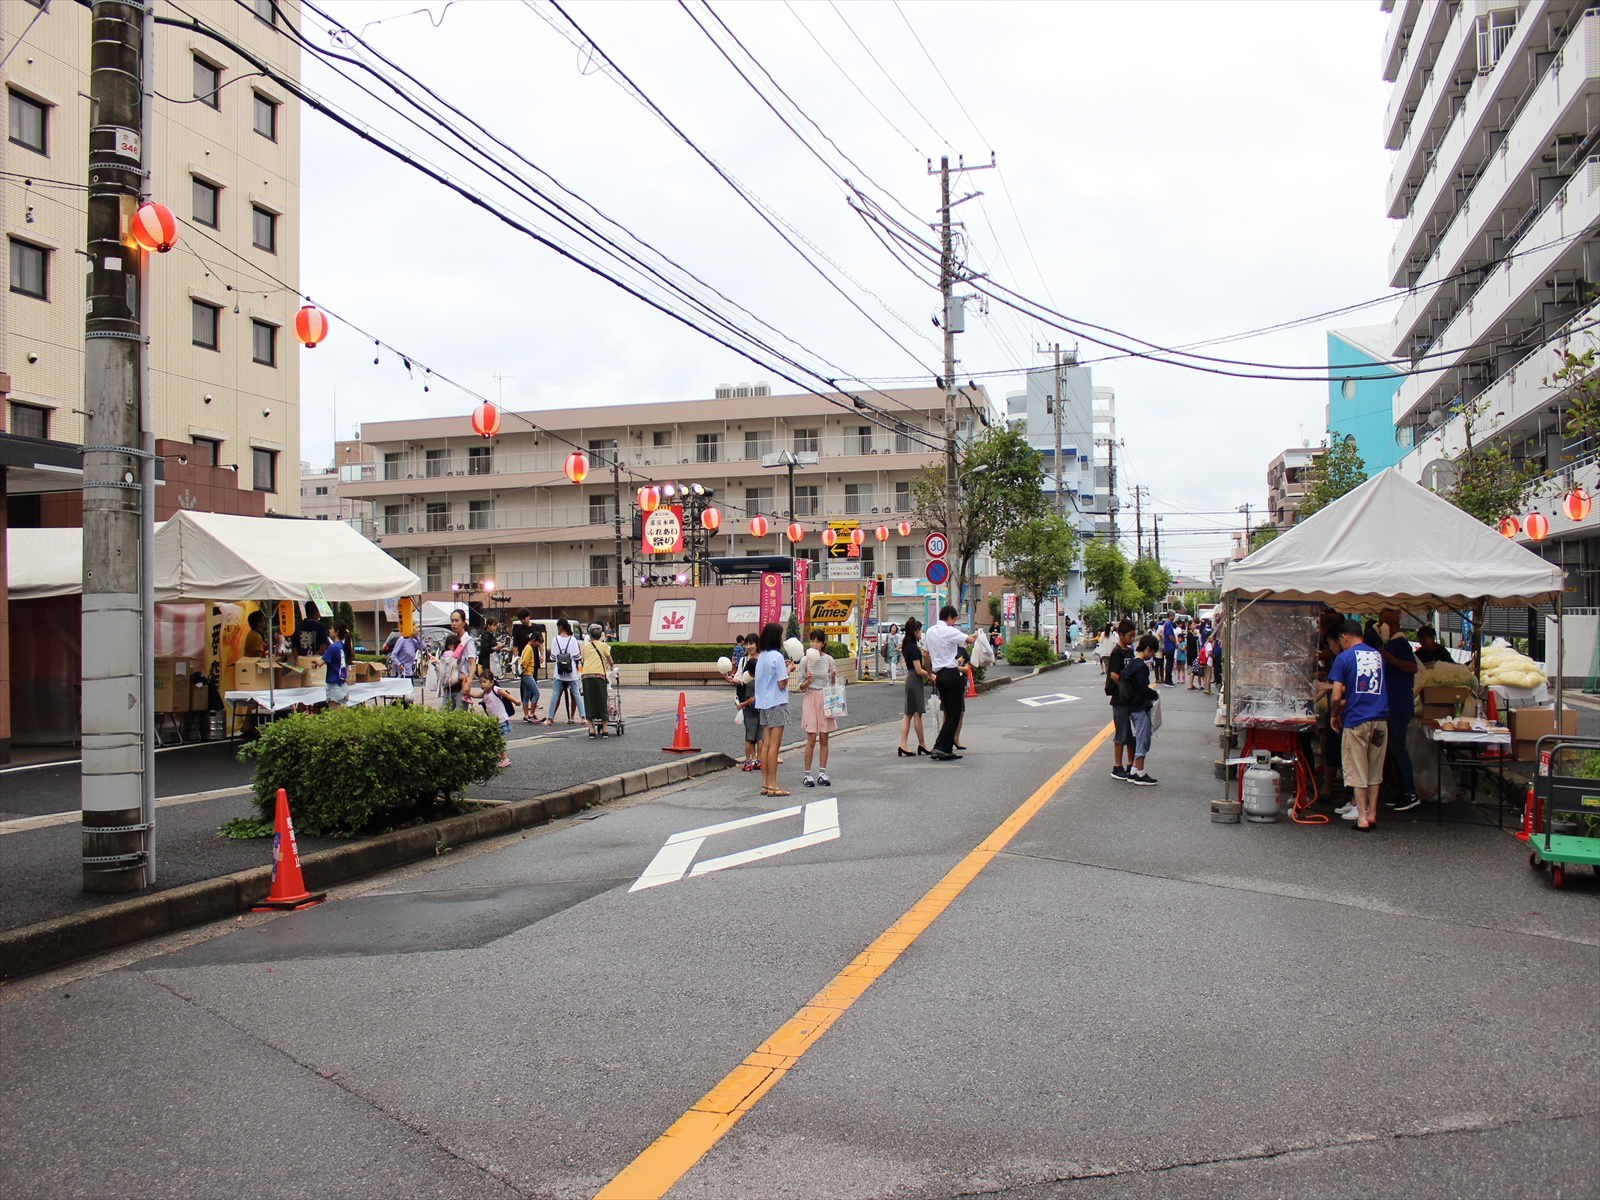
[[1263, 792]]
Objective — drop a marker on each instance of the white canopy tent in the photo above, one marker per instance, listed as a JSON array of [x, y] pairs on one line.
[[44, 562], [1391, 543], [213, 556]]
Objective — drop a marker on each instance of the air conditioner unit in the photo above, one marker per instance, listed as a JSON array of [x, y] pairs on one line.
[[410, 476], [411, 529]]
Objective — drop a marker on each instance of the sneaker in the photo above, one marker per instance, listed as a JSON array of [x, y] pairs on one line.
[[823, 780], [810, 782], [1351, 815], [1142, 779], [1120, 773], [1344, 808], [1407, 803]]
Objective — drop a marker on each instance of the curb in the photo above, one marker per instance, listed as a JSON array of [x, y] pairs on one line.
[[32, 948], [1055, 666], [988, 685]]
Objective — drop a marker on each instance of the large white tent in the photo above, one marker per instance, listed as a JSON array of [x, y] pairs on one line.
[[44, 562], [1393, 542], [214, 556]]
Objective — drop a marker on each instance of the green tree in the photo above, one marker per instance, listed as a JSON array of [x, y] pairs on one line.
[[1131, 598], [1576, 380], [1486, 479], [996, 607], [1001, 486], [1095, 614], [343, 612], [1263, 534], [1038, 554], [1153, 579], [1337, 470], [1105, 571]]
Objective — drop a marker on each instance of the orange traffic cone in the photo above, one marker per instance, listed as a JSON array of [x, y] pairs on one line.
[[1527, 817], [972, 687], [680, 738], [1493, 712], [288, 887]]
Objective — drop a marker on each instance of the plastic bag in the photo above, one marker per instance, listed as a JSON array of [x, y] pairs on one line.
[[982, 651], [833, 701]]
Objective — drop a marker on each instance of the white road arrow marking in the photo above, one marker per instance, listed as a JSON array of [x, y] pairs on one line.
[[1042, 701], [821, 824]]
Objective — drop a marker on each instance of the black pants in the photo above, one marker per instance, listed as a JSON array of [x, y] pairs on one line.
[[952, 685]]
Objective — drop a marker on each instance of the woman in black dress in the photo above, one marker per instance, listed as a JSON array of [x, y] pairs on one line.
[[916, 698]]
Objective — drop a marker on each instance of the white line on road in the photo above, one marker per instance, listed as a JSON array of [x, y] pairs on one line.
[[1052, 698], [23, 824], [821, 824]]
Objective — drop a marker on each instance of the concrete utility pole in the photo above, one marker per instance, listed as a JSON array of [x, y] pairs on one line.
[[952, 318], [1155, 525], [118, 772], [1059, 381], [1111, 484], [1245, 509], [1138, 522], [947, 279], [616, 522]]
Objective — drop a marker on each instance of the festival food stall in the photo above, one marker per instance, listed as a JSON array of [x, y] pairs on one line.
[[220, 560], [1389, 544]]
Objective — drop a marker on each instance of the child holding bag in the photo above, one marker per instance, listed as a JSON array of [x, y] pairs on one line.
[[816, 674]]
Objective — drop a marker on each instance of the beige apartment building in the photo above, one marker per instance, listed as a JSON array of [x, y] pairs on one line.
[[460, 510], [319, 488], [1286, 483], [225, 147]]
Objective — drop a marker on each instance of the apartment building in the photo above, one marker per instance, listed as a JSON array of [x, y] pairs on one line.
[[1494, 119], [1286, 483], [1085, 411], [462, 511], [319, 489], [225, 156]]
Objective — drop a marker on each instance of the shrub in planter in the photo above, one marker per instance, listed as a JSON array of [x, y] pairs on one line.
[[1025, 650], [346, 768], [667, 652], [837, 650]]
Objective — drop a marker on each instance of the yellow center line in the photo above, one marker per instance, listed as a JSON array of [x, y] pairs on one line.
[[686, 1141]]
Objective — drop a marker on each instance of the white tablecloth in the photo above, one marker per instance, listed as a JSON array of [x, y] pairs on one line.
[[1452, 737], [360, 693]]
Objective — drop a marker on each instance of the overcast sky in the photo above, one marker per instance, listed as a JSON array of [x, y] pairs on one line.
[[1177, 172]]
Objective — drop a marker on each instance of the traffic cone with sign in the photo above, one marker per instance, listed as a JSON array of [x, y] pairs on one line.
[[680, 738], [288, 886]]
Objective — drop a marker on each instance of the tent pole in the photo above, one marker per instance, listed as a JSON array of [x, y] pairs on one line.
[[1227, 694], [1560, 621]]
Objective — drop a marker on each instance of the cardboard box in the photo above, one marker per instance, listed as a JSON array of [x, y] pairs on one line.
[[314, 671], [1440, 702], [251, 675], [172, 690], [1531, 724]]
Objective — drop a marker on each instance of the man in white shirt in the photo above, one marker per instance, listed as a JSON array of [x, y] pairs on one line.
[[942, 642]]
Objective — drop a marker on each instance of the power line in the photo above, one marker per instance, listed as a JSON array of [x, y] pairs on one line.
[[886, 74], [850, 79]]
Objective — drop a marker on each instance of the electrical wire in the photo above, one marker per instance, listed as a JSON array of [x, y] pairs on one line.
[[753, 352], [586, 231], [884, 71]]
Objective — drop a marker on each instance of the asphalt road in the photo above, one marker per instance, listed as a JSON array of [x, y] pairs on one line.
[[41, 866], [1126, 1000]]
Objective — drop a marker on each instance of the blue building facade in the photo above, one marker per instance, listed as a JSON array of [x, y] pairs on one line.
[[1367, 413]]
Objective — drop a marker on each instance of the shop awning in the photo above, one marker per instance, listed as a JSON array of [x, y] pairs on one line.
[[214, 556], [1391, 541], [44, 562]]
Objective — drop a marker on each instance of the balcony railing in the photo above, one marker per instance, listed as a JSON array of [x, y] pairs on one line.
[[676, 456]]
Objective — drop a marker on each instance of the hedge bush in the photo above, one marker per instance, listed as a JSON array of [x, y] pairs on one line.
[[1025, 650], [837, 650], [347, 769], [668, 652]]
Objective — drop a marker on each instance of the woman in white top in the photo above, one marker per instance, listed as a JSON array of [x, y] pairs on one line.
[[816, 673]]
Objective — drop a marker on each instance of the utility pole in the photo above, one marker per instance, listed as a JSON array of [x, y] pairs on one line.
[[1245, 509], [1155, 524], [1056, 406], [948, 273], [118, 764], [1138, 522], [1111, 483], [616, 523]]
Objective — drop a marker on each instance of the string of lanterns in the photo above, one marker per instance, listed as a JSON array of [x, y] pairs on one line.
[[1576, 505]]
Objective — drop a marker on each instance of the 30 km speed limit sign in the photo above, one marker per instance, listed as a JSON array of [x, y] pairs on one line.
[[936, 545]]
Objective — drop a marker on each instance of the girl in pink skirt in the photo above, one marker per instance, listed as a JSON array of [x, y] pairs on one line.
[[816, 673]]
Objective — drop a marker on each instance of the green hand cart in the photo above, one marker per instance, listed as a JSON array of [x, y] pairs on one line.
[[1570, 794]]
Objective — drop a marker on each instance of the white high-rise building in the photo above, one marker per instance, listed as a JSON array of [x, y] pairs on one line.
[[1495, 124]]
